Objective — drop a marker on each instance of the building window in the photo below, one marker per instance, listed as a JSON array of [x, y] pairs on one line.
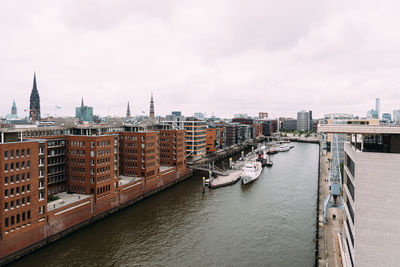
[[5, 154], [5, 167], [28, 152]]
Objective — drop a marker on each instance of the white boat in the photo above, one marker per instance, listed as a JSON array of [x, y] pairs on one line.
[[251, 171], [284, 147]]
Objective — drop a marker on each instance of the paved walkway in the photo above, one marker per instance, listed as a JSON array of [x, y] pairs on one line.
[[328, 245]]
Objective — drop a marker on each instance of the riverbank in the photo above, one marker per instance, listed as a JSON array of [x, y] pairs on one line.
[[84, 211], [327, 246]]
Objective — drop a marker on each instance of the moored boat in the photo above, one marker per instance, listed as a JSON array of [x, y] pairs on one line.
[[251, 171]]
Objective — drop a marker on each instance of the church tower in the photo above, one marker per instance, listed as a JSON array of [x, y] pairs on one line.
[[151, 107], [14, 108], [34, 102], [128, 111]]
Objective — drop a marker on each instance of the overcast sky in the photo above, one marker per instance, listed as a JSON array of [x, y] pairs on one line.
[[216, 56]]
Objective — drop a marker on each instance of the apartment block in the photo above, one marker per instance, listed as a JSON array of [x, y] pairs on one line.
[[213, 139], [172, 148], [22, 187], [371, 193], [139, 154], [93, 165], [195, 138]]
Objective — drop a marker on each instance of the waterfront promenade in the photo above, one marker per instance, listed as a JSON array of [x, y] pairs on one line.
[[328, 243]]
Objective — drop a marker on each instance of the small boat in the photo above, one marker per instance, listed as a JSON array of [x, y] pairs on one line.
[[284, 147], [269, 162], [251, 172]]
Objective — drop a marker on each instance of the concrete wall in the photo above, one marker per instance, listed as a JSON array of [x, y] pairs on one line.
[[377, 212]]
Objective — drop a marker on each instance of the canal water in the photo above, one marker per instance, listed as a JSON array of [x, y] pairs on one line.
[[270, 222]]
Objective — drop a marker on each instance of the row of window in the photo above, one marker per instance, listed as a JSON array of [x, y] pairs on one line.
[[56, 143], [17, 178], [78, 189], [74, 152], [17, 153], [56, 152], [78, 169], [92, 143], [52, 161], [16, 166], [17, 203], [103, 189], [17, 190], [103, 178], [133, 138], [79, 143], [56, 178], [16, 219], [55, 189], [55, 169]]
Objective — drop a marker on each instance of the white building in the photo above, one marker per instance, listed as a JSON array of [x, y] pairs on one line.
[[396, 116], [371, 194]]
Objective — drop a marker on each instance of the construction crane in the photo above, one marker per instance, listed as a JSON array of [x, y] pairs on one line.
[[335, 180]]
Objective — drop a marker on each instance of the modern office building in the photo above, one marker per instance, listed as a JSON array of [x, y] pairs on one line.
[[199, 116], [378, 107], [396, 116], [176, 113], [387, 117], [342, 119], [304, 120], [84, 113], [213, 138], [289, 124], [371, 193], [195, 138]]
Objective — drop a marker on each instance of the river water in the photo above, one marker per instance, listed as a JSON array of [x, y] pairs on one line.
[[270, 222]]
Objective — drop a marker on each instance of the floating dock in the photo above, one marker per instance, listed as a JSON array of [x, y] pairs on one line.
[[232, 177]]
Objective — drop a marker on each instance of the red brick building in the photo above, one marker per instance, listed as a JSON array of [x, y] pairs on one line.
[[172, 148], [22, 205], [139, 154], [92, 164], [101, 169]]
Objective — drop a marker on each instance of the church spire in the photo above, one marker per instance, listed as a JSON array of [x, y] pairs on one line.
[[34, 102], [14, 108], [128, 111], [151, 107]]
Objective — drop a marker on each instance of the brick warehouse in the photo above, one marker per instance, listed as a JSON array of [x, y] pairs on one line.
[[93, 171]]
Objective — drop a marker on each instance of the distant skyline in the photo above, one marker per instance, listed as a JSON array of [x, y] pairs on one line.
[[223, 57]]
